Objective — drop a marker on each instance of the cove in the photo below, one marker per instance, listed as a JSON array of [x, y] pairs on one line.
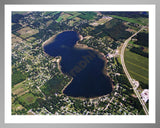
[[84, 65]]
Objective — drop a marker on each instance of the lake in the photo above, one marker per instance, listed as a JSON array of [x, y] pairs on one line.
[[84, 65]]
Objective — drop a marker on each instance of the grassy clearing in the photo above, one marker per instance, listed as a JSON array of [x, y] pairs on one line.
[[28, 98], [142, 21], [137, 66]]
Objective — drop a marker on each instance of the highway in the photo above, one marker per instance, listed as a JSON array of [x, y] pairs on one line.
[[127, 73]]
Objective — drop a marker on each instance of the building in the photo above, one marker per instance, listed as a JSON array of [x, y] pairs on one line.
[[145, 95]]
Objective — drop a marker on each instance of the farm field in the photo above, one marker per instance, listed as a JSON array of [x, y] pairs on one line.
[[19, 89], [27, 32], [16, 39], [65, 16], [59, 19], [87, 15], [31, 39], [137, 66], [51, 13], [28, 98], [73, 16], [101, 21], [142, 21]]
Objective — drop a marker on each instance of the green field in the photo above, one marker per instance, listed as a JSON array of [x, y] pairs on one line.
[[64, 16], [137, 66], [75, 15], [19, 88], [28, 98], [59, 19], [87, 15], [51, 13], [142, 21]]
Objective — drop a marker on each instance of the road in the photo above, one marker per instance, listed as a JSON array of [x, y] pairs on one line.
[[109, 103], [127, 73], [41, 92]]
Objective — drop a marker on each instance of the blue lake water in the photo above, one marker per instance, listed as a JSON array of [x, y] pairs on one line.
[[84, 65]]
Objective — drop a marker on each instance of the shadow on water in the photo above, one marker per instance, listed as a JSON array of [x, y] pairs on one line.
[[84, 65]]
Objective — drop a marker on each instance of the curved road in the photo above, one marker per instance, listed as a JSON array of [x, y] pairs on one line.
[[127, 73]]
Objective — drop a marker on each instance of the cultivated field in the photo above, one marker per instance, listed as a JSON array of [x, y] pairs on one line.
[[28, 98], [101, 21], [31, 39], [19, 89], [27, 32], [137, 66], [142, 21], [16, 39]]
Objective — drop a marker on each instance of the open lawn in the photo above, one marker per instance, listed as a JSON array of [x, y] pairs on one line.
[[137, 66]]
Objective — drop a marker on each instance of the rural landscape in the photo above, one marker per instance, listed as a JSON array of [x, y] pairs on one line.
[[80, 63]]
